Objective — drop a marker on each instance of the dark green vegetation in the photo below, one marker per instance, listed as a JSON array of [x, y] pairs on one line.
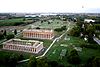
[[82, 57], [73, 57], [10, 58], [9, 36], [15, 31], [87, 49], [60, 29], [4, 35], [97, 32], [42, 62], [85, 30], [14, 21], [79, 53]]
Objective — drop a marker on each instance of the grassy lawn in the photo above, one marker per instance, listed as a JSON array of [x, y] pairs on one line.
[[54, 53], [12, 22], [46, 43], [88, 53], [54, 24], [15, 20], [74, 41]]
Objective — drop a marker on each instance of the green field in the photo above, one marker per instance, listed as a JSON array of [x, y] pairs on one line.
[[14, 21], [66, 42], [53, 24], [69, 42], [54, 53]]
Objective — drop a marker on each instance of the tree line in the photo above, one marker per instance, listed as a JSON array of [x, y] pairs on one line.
[[4, 35], [10, 60]]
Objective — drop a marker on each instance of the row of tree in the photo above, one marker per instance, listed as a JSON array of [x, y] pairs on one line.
[[74, 58], [3, 34], [10, 60], [60, 29], [42, 62], [84, 30]]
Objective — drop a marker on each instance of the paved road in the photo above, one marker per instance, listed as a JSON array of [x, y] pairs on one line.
[[97, 40]]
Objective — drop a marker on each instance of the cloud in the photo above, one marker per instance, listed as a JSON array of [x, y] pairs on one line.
[[48, 5]]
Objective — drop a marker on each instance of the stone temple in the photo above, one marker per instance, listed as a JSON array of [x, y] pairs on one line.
[[38, 33], [31, 46]]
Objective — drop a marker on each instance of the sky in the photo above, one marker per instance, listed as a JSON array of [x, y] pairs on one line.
[[37, 6]]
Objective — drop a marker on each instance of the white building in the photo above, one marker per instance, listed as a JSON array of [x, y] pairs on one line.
[[89, 20], [31, 46], [32, 15]]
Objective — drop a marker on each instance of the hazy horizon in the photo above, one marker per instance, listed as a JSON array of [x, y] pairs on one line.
[[56, 6]]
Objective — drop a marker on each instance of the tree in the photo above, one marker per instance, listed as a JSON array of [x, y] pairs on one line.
[[63, 27], [96, 62], [24, 19], [93, 62], [1, 36], [20, 57], [49, 22], [41, 21], [9, 60], [42, 63], [4, 33], [9, 36], [97, 26], [73, 57], [12, 61], [58, 29], [32, 62], [4, 60], [1, 30], [57, 22], [79, 22], [53, 63], [37, 27], [15, 31], [75, 31], [90, 30]]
